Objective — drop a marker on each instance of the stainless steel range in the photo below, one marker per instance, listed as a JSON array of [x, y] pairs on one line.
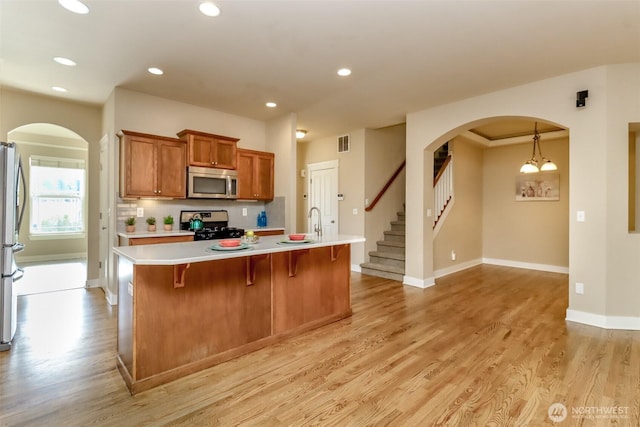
[[209, 225]]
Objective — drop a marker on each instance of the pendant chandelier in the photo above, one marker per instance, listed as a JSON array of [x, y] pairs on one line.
[[531, 165]]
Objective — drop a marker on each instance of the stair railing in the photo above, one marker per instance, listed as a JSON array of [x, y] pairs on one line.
[[443, 188], [386, 187]]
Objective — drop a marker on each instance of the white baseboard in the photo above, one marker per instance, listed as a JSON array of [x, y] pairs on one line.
[[356, 268], [457, 267], [412, 281], [112, 298], [527, 265], [418, 283], [55, 257], [93, 283], [602, 321]]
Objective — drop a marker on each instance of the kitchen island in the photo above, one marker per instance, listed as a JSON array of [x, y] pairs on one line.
[[184, 307]]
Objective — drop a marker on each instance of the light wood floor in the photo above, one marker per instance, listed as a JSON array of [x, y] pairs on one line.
[[487, 346], [52, 276]]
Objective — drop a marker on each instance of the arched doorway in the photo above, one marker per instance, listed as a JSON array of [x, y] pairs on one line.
[[54, 229], [489, 223]]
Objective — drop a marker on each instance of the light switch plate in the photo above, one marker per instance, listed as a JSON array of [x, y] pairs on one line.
[[140, 212], [580, 216], [579, 288]]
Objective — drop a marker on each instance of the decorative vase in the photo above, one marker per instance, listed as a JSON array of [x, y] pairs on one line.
[[152, 227], [131, 228], [168, 227]]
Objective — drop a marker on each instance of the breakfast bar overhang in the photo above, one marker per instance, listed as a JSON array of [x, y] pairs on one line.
[[184, 307]]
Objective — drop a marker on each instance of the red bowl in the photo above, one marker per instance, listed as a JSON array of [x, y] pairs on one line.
[[230, 243], [297, 236]]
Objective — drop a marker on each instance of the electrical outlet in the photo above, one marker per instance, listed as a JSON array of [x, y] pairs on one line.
[[140, 212], [453, 255], [355, 211], [579, 288], [580, 216], [244, 211]]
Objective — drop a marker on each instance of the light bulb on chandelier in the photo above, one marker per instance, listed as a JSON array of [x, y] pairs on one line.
[[531, 165]]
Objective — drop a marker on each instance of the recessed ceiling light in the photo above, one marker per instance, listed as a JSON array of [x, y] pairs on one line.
[[300, 133], [344, 72], [58, 89], [209, 9], [64, 61], [75, 6], [156, 71], [271, 104]]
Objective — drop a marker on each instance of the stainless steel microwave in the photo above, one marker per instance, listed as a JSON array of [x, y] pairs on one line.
[[209, 183]]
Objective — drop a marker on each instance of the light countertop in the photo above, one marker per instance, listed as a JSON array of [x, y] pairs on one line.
[[188, 252]]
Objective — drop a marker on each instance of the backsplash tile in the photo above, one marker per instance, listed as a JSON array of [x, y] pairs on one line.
[[160, 208]]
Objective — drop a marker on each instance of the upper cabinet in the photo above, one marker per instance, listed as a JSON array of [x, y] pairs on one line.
[[209, 150], [152, 166], [255, 175]]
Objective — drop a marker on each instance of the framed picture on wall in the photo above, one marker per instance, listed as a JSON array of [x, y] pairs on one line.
[[538, 187]]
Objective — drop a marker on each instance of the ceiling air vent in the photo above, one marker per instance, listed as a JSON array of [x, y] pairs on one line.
[[343, 144]]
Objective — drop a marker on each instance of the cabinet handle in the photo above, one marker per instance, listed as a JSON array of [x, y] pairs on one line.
[[159, 191]]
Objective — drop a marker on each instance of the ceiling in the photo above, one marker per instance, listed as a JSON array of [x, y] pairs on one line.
[[405, 55]]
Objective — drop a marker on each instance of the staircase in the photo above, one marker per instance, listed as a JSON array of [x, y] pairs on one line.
[[439, 157], [388, 261]]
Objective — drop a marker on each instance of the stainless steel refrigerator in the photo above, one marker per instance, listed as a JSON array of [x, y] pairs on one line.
[[11, 212]]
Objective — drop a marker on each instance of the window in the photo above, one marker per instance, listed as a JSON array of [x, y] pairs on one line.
[[57, 192]]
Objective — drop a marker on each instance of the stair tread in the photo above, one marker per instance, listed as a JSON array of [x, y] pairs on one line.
[[398, 222], [391, 255], [395, 232], [391, 243], [382, 267]]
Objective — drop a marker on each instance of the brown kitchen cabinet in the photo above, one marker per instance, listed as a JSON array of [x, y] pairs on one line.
[[177, 319], [255, 175], [209, 150], [152, 166], [133, 241], [268, 232], [222, 310], [310, 285]]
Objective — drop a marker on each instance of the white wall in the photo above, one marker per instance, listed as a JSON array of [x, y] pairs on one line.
[[19, 108], [139, 112], [602, 254], [281, 140], [351, 183]]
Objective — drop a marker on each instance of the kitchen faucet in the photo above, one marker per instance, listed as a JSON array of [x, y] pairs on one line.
[[318, 227]]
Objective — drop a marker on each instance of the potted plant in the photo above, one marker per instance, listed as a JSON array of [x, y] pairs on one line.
[[151, 221], [168, 223], [131, 224]]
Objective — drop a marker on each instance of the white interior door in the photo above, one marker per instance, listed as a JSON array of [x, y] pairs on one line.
[[103, 253], [323, 194]]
